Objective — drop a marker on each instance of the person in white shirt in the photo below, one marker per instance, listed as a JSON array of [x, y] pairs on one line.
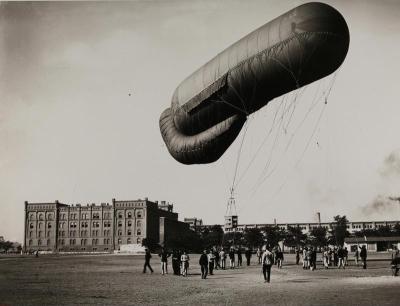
[[267, 260], [185, 263]]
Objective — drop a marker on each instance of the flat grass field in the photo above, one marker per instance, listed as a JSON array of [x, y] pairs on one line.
[[118, 280]]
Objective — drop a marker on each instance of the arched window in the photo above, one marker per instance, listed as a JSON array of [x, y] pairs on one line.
[[31, 216], [40, 216], [39, 234], [50, 217], [119, 233], [129, 241], [30, 242], [40, 225], [120, 215], [48, 241], [129, 214], [31, 225], [129, 232], [30, 234], [138, 240], [138, 232], [39, 242], [119, 223], [129, 223], [119, 241], [48, 225], [139, 223], [139, 214]]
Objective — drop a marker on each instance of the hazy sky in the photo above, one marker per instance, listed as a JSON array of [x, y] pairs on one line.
[[70, 131]]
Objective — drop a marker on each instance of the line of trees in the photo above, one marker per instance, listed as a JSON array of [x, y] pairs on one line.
[[253, 238]]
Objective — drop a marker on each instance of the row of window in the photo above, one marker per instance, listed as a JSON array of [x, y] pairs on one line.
[[96, 215], [94, 233], [95, 224], [40, 225], [84, 233], [41, 216], [40, 242], [39, 234], [83, 242]]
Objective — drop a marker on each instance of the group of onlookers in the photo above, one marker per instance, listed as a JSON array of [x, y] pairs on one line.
[[331, 257], [209, 260], [216, 259]]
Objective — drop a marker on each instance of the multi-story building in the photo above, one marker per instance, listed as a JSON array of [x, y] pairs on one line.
[[57, 227]]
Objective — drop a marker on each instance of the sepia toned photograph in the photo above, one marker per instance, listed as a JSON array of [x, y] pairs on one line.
[[200, 152]]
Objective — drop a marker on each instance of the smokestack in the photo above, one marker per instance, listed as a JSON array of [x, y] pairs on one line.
[[275, 221], [319, 217]]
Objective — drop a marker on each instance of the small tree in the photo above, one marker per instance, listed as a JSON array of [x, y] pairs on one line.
[[339, 231], [213, 236], [253, 237], [272, 235], [6, 245], [318, 237], [294, 237]]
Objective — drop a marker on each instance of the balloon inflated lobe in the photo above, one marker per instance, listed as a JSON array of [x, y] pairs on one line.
[[210, 106]]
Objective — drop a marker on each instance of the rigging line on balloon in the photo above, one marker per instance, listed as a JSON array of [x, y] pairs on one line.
[[264, 173], [240, 99], [278, 130], [315, 128], [262, 143], [274, 145], [222, 100], [239, 153], [283, 154], [312, 106], [312, 135]]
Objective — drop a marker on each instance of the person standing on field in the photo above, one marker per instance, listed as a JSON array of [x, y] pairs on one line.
[[203, 262], [247, 253], [363, 255], [267, 261], [147, 257]]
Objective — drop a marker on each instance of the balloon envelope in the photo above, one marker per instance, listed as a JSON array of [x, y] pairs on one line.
[[211, 105]]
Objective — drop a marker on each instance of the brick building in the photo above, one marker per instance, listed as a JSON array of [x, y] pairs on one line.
[[57, 227]]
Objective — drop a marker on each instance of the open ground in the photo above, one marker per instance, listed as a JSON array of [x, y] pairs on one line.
[[118, 280]]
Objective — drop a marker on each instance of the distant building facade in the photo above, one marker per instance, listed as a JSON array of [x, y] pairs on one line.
[[57, 227], [194, 223], [352, 227]]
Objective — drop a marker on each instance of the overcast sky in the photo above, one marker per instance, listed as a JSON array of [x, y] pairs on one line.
[[82, 86]]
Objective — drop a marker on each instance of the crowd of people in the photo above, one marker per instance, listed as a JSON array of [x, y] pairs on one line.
[[216, 258]]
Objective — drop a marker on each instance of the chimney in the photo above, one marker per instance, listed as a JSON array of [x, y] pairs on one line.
[[319, 218]]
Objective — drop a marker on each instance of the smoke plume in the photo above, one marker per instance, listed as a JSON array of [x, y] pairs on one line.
[[382, 206], [391, 165]]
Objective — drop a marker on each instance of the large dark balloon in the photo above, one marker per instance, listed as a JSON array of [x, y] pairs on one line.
[[210, 106]]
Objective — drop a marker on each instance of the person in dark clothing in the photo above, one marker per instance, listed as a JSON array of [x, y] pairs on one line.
[[395, 264], [279, 258], [147, 257], [297, 256], [176, 262], [164, 261], [314, 258], [211, 259], [203, 262], [216, 264], [239, 257], [363, 255], [232, 258], [247, 253]]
